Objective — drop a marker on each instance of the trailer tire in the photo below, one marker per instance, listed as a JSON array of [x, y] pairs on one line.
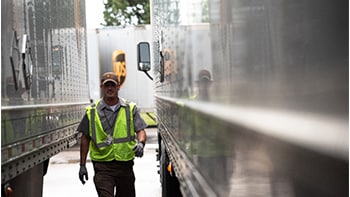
[[170, 183]]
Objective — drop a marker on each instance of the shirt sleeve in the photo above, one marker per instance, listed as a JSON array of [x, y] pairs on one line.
[[84, 126], [139, 123]]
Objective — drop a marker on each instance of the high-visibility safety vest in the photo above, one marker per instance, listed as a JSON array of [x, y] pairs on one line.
[[117, 147]]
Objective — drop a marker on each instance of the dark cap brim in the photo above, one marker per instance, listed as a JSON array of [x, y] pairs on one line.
[[107, 80]]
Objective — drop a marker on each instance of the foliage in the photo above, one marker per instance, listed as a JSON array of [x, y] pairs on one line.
[[126, 12]]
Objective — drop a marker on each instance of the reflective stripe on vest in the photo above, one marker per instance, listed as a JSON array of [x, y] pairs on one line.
[[128, 138]]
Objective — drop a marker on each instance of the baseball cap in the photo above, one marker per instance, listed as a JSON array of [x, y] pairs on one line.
[[109, 76], [204, 75]]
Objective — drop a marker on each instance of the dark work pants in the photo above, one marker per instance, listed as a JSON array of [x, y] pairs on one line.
[[114, 174]]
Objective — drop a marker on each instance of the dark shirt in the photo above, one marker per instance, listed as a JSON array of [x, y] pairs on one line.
[[108, 118]]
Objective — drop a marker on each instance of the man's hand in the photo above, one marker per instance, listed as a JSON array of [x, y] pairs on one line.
[[138, 149], [83, 172]]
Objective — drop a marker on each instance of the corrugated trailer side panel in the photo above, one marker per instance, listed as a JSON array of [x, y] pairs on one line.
[[252, 96]]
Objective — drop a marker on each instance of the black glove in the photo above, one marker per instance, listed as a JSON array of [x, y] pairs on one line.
[[138, 149], [83, 172]]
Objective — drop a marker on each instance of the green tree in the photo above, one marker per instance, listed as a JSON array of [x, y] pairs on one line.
[[126, 12]]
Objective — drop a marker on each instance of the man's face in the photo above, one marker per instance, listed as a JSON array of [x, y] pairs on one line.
[[110, 89]]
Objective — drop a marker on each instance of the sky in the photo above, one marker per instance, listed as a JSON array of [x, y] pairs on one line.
[[94, 13]]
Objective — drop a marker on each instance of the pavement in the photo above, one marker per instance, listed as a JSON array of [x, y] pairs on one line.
[[62, 177]]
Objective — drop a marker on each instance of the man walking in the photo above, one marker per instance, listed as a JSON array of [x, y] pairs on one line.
[[113, 130]]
